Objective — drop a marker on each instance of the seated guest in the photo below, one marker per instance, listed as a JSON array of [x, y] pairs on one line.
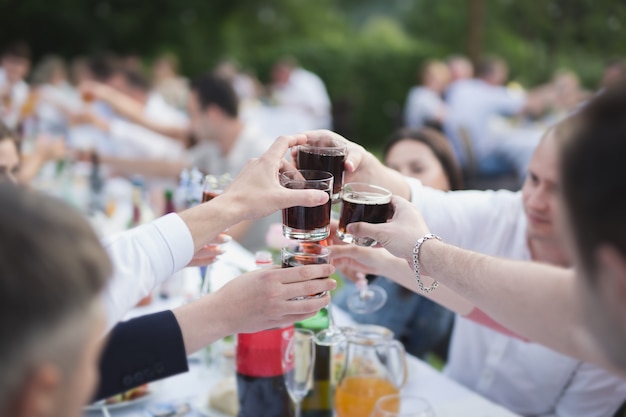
[[525, 377], [471, 104], [225, 144], [419, 323], [168, 82], [424, 104], [14, 91], [16, 168], [302, 91]]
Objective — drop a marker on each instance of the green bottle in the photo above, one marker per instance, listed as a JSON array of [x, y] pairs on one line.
[[319, 401]]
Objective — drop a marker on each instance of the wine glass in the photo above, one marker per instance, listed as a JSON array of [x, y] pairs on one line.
[[402, 405], [298, 361], [212, 186], [363, 202]]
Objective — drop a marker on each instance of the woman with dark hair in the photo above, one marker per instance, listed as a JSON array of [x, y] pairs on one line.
[[420, 324]]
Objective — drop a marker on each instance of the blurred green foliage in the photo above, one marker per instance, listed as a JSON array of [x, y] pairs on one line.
[[368, 52]]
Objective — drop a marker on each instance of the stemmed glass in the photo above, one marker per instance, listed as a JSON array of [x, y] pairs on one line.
[[212, 186], [298, 361], [364, 203]]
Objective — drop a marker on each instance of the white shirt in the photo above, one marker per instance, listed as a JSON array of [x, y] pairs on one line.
[[527, 378], [422, 105], [130, 140], [471, 103], [19, 94], [156, 108], [143, 258], [306, 92], [208, 157]]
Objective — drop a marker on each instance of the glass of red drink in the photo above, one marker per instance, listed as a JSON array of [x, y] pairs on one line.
[[325, 154], [307, 223]]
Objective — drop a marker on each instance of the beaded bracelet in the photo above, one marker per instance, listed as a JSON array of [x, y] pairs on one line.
[[416, 265]]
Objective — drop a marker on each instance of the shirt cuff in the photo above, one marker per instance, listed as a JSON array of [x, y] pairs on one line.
[[177, 238], [416, 188]]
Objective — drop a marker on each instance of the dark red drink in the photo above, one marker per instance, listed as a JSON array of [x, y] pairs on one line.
[[324, 159], [363, 206], [307, 223], [209, 195]]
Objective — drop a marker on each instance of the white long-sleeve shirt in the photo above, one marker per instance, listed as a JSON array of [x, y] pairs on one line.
[[143, 258], [526, 378]]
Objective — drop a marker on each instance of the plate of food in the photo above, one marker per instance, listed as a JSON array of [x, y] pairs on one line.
[[222, 400], [128, 398]]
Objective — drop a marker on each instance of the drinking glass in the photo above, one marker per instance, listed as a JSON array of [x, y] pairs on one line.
[[402, 405], [212, 186], [372, 204], [298, 361], [307, 223], [309, 253], [324, 153]]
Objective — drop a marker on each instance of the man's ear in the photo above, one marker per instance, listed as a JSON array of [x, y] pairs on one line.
[[38, 394]]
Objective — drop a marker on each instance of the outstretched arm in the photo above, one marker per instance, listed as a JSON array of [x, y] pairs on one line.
[[535, 300]]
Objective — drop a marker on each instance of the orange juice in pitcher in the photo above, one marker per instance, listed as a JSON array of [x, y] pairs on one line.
[[374, 365], [357, 395]]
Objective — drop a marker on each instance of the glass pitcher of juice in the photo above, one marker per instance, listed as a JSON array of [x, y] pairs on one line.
[[374, 365]]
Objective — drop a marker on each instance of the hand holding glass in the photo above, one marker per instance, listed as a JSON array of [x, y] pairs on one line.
[[364, 203]]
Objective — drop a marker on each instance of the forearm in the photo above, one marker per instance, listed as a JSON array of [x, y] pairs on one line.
[[209, 219], [149, 168], [537, 301], [202, 323]]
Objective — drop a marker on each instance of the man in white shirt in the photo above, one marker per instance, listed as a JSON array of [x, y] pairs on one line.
[[14, 67], [303, 91], [525, 377], [424, 104]]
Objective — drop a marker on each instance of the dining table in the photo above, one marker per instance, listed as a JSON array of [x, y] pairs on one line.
[[189, 392]]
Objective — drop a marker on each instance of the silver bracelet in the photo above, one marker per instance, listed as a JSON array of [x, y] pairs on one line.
[[416, 264]]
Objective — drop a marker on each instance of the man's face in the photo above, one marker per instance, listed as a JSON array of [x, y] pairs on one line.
[[200, 123], [9, 160], [541, 191], [15, 68], [79, 387]]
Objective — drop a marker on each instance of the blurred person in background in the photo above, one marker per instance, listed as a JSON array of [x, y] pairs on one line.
[[18, 168], [15, 61], [461, 68], [225, 145], [422, 325], [246, 86], [614, 73], [302, 91], [471, 105], [56, 96], [126, 138], [566, 95], [424, 103], [167, 81]]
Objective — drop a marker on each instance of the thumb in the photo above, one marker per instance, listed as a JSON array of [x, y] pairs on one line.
[[370, 230]]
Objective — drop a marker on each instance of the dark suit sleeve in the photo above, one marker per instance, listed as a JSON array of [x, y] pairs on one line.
[[139, 351]]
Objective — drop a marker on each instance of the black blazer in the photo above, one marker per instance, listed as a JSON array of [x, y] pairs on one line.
[[139, 351]]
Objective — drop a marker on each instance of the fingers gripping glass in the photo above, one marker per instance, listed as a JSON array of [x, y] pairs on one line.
[[371, 204], [307, 223]]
